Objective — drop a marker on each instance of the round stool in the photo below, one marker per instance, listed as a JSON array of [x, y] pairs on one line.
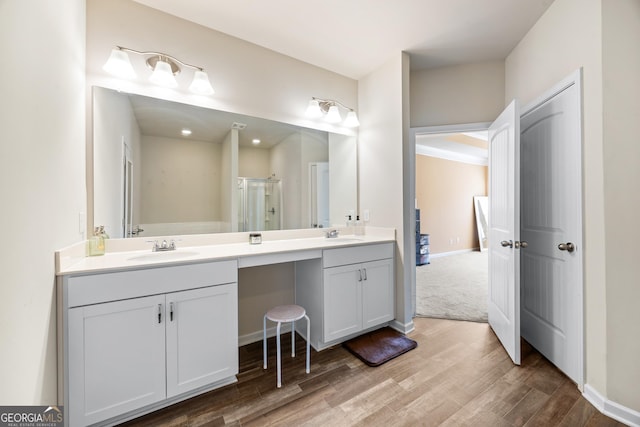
[[280, 314]]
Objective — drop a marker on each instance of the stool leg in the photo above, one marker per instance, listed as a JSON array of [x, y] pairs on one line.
[[278, 361], [293, 339], [264, 342], [308, 340]]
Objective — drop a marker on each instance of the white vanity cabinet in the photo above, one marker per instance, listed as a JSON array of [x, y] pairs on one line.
[[138, 340], [355, 292]]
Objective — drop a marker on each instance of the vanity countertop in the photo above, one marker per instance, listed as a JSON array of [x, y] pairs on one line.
[[275, 247]]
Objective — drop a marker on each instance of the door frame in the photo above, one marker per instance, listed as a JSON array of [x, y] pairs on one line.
[[575, 78]]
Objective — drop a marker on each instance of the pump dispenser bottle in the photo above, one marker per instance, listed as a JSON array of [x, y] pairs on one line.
[[358, 228], [96, 243]]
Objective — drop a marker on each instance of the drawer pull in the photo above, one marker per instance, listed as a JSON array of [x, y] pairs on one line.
[[159, 313]]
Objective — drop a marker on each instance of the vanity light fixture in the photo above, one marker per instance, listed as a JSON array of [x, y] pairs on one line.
[[165, 68], [329, 108]]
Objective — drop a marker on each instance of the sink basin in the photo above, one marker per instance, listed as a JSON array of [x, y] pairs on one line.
[[344, 239], [163, 256]]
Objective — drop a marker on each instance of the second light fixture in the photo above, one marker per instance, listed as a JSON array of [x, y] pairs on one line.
[[329, 108]]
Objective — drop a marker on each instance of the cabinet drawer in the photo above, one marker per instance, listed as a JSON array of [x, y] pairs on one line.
[[356, 254], [98, 288]]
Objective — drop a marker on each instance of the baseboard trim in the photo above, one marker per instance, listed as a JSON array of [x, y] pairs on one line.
[[611, 409], [257, 335], [404, 328], [461, 251]]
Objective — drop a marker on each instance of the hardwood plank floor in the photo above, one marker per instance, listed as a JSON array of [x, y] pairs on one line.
[[458, 375]]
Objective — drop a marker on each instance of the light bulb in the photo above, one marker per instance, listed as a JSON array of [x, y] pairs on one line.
[[313, 110], [162, 75], [333, 116], [119, 65], [201, 84], [352, 120]]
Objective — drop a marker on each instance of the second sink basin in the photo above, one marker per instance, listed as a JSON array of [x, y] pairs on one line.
[[163, 256]]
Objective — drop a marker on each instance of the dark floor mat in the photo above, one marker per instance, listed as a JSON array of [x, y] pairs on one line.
[[378, 347]]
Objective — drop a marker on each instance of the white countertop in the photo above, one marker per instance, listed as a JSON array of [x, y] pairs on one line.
[[276, 247]]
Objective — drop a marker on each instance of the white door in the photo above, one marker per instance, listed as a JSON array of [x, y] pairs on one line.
[[504, 230], [127, 191], [551, 279], [319, 195]]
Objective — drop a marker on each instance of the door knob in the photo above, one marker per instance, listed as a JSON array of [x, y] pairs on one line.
[[569, 247], [521, 244], [507, 243]]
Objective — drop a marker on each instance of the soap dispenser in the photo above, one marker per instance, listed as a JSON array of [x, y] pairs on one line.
[[96, 243], [358, 228], [349, 222]]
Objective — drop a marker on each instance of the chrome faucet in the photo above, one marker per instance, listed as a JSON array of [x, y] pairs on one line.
[[331, 234], [164, 246]]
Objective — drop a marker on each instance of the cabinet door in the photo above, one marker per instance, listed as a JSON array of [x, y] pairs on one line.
[[378, 302], [202, 337], [116, 358], [342, 314]]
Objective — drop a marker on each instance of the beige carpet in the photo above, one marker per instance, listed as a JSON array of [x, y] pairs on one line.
[[453, 287]]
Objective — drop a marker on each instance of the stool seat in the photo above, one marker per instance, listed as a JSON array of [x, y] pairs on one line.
[[282, 314], [286, 313]]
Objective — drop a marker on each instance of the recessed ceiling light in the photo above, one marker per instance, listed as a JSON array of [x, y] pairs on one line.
[[255, 141], [185, 132]]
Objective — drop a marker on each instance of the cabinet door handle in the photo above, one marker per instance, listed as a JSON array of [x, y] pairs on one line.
[[171, 311], [365, 273], [359, 275], [159, 313]]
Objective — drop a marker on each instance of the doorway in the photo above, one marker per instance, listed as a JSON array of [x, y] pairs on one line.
[[451, 272]]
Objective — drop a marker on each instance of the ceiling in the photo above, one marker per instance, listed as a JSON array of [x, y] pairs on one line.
[[157, 117], [355, 37], [469, 147]]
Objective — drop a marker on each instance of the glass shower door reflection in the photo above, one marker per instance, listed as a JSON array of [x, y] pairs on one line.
[[259, 204], [273, 203]]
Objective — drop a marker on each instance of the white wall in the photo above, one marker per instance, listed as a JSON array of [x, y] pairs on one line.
[[467, 93], [42, 183], [247, 78], [343, 180], [254, 162], [380, 160], [285, 165], [621, 110], [114, 122], [181, 180], [569, 36], [314, 148]]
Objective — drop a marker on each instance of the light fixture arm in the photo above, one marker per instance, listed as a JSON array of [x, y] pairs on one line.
[[326, 103], [161, 55]]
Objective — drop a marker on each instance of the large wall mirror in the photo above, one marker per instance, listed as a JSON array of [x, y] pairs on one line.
[[166, 168]]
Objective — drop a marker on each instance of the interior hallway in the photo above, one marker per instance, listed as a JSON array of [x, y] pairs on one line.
[[458, 375]]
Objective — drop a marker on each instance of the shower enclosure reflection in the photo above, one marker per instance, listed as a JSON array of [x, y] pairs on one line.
[[259, 204]]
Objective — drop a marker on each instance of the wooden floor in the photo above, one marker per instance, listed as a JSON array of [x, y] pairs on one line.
[[458, 375]]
